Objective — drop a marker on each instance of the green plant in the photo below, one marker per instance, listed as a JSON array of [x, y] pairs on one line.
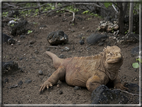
[[4, 14], [107, 4], [29, 31], [136, 64], [86, 12]]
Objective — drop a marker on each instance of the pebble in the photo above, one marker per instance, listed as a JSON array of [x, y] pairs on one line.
[[40, 72], [62, 56], [20, 58], [101, 44], [28, 81], [58, 85], [20, 82], [36, 52], [77, 88], [6, 80], [48, 49], [22, 36], [81, 42], [32, 42], [60, 92], [66, 48], [13, 86]]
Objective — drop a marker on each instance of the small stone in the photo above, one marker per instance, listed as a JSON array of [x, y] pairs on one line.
[[20, 82], [48, 49], [22, 36], [6, 80], [32, 42], [60, 92], [62, 56], [20, 58], [40, 72], [101, 44], [66, 48], [58, 85], [81, 42], [13, 86], [77, 88], [28, 81], [30, 45], [36, 52]]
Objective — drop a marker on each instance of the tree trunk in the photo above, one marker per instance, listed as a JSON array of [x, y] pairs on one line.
[[131, 18], [122, 11]]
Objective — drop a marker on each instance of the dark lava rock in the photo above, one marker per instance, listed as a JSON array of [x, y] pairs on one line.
[[19, 28], [13, 86], [103, 95], [32, 42], [20, 82], [81, 41], [6, 80], [13, 13], [22, 36], [28, 81], [101, 44], [40, 72], [8, 67], [7, 39], [133, 88], [48, 49], [77, 88], [135, 51], [60, 92], [62, 56], [57, 38], [95, 38]]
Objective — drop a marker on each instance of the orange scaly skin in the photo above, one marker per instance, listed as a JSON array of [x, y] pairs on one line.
[[90, 71]]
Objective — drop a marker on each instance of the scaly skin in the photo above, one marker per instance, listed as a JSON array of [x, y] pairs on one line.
[[90, 72]]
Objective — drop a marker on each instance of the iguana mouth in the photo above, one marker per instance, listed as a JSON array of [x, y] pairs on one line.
[[114, 59]]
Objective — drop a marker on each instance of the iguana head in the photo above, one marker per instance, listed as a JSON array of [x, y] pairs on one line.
[[113, 54]]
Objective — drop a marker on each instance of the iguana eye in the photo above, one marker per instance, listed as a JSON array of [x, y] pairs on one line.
[[110, 53]]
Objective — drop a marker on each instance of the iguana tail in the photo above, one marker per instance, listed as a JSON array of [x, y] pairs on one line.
[[56, 60]]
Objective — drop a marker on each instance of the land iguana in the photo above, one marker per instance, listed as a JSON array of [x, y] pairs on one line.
[[89, 72]]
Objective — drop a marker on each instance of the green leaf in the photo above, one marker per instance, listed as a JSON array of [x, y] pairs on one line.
[[138, 59], [29, 31], [135, 65], [107, 4]]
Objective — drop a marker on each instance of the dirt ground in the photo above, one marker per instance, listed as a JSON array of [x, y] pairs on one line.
[[32, 58]]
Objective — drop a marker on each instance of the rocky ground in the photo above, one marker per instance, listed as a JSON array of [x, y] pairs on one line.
[[22, 86]]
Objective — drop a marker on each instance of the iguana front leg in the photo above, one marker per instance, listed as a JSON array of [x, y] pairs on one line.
[[93, 82], [53, 79], [118, 85]]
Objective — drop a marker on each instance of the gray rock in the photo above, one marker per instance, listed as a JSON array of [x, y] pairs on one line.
[[60, 92], [66, 48], [9, 40], [28, 81], [19, 28], [62, 56], [9, 67], [40, 72], [20, 82], [22, 36], [6, 80], [101, 44], [57, 38], [103, 95], [95, 38], [13, 86], [135, 51], [77, 88]]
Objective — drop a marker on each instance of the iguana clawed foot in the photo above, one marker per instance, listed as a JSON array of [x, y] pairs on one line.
[[120, 86], [46, 84]]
